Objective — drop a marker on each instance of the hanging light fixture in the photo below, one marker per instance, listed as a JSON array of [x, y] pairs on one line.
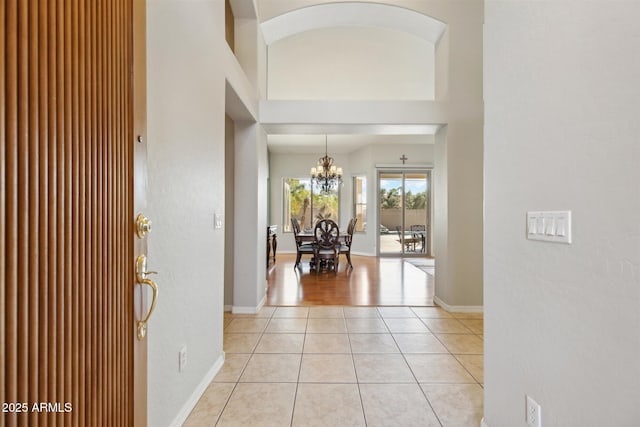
[[326, 175]]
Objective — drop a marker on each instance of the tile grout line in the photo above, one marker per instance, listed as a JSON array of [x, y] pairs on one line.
[[416, 378], [457, 360], [462, 354], [304, 341], [235, 386], [295, 394], [344, 318], [355, 371]]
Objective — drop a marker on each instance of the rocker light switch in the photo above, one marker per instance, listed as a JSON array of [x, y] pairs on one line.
[[550, 229]]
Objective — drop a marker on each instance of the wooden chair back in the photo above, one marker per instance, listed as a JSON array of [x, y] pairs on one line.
[[350, 230], [326, 233], [296, 230]]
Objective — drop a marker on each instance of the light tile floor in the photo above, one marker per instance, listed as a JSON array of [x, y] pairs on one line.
[[347, 366]]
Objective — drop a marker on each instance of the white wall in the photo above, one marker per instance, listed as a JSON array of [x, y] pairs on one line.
[[188, 65], [562, 132], [464, 147], [360, 162], [250, 218], [351, 63], [229, 213], [185, 163], [440, 207]]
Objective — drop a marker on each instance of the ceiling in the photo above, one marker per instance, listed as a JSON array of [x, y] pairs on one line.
[[337, 143]]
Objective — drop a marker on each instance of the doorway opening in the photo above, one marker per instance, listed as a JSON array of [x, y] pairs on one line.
[[404, 212]]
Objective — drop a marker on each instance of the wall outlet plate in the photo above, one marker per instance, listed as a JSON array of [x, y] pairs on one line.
[[182, 359], [533, 413]]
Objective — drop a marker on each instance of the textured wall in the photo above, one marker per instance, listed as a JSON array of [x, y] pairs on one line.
[[185, 159], [562, 133], [188, 65]]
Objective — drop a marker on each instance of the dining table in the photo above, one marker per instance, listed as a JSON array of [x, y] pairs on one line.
[[309, 237]]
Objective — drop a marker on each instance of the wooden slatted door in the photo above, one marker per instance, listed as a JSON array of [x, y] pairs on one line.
[[70, 113]]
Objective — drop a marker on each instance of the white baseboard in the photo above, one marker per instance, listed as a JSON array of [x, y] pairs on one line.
[[228, 307], [238, 309], [458, 308], [197, 393], [483, 423]]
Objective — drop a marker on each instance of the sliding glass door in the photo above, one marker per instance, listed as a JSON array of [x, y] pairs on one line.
[[404, 212]]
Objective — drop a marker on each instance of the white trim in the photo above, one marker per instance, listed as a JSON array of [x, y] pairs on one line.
[[458, 308], [483, 423], [228, 307], [248, 309], [397, 166], [192, 401]]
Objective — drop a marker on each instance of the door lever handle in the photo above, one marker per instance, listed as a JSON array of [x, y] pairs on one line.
[[141, 278]]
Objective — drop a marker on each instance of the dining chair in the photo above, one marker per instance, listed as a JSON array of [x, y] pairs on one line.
[[302, 248], [326, 248], [402, 237], [419, 232], [345, 248]]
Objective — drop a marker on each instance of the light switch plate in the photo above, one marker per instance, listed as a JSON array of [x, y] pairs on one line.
[[549, 226], [217, 221]]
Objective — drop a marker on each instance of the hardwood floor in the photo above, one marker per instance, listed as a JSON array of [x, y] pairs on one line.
[[373, 281]]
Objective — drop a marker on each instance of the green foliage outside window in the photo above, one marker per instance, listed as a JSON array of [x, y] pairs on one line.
[[417, 201], [307, 204], [391, 198]]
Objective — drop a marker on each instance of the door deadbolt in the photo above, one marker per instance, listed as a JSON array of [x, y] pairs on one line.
[[143, 226]]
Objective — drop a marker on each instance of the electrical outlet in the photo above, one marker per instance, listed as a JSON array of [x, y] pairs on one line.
[[533, 413], [182, 359]]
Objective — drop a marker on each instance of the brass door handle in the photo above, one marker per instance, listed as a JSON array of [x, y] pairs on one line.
[[141, 278]]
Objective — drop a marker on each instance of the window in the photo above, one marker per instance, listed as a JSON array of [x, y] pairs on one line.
[[307, 204], [360, 202]]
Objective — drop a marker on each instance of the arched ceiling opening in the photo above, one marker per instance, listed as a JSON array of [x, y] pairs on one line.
[[341, 15], [349, 14]]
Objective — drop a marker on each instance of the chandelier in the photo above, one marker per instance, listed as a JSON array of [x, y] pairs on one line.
[[326, 175]]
